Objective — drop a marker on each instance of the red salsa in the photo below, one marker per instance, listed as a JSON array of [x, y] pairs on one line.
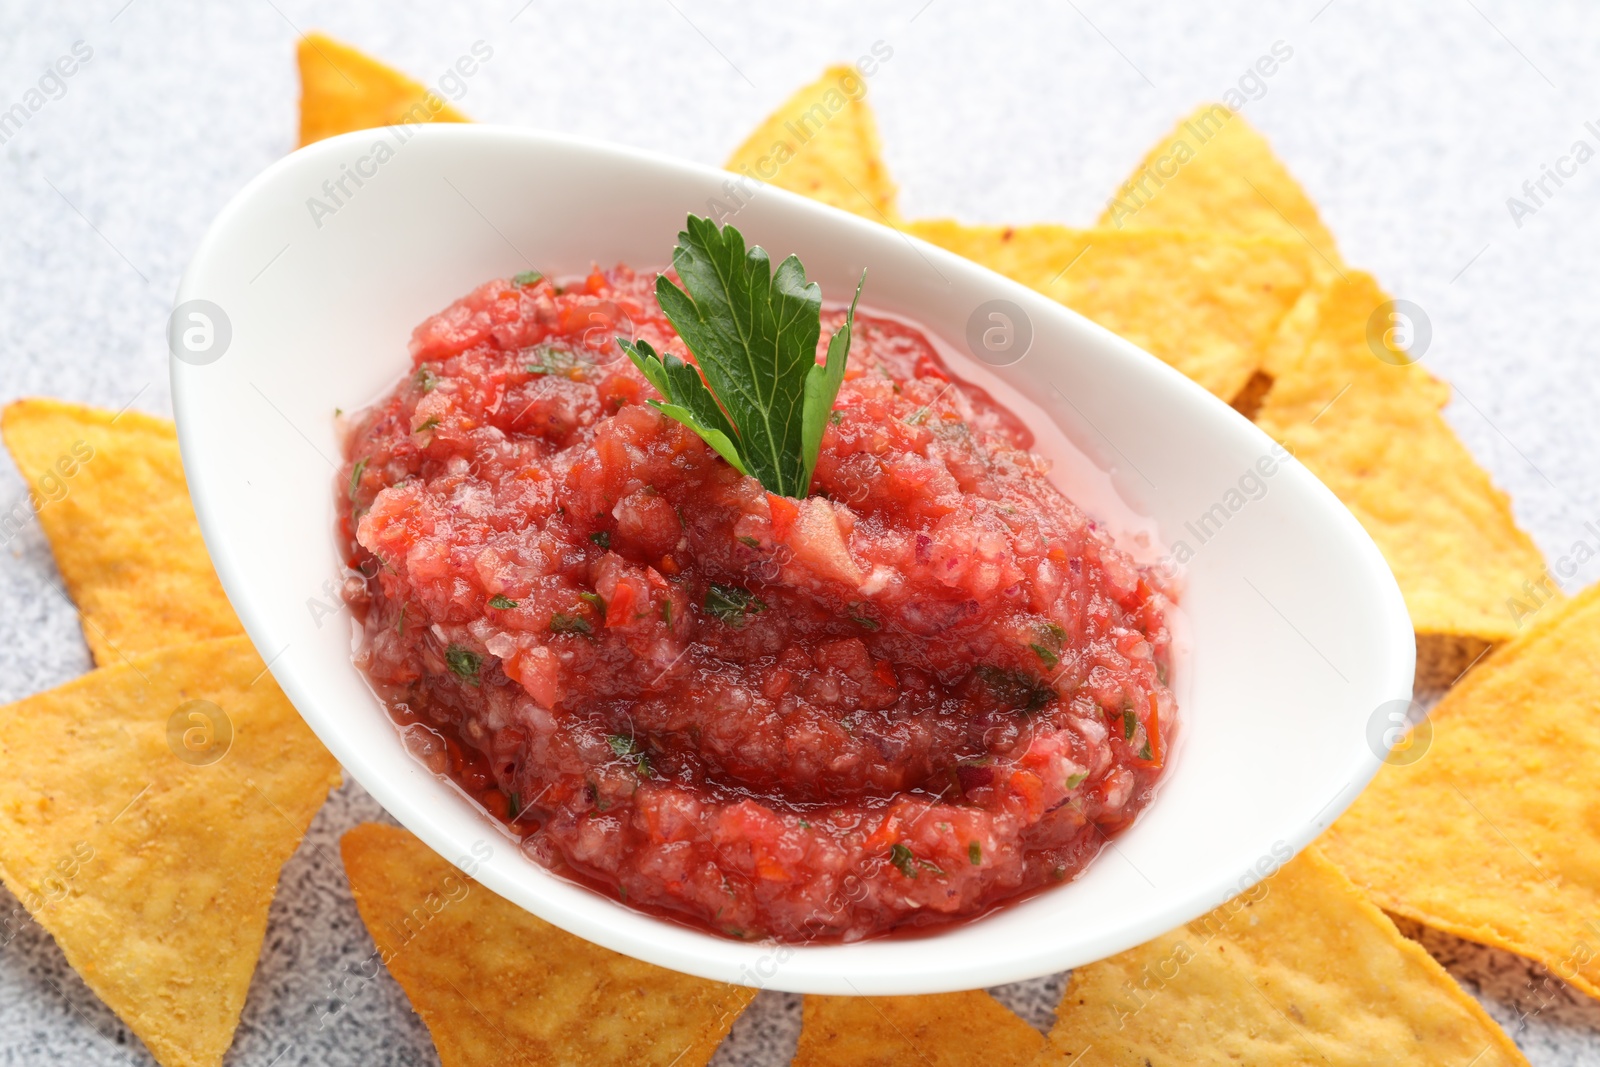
[[932, 685]]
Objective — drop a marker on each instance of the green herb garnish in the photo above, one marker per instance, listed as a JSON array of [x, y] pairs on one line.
[[564, 623], [425, 378], [1129, 722], [597, 601], [526, 278], [355, 475], [513, 805], [601, 538], [626, 750], [731, 604], [753, 542], [857, 615], [901, 857], [1017, 690], [1075, 780], [428, 425], [666, 612], [464, 662], [504, 603], [550, 359], [1048, 647], [764, 399], [975, 853]]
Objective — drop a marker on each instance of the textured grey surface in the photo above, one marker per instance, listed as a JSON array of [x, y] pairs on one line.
[[1410, 123]]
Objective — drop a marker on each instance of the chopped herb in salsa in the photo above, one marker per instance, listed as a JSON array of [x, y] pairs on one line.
[[463, 662], [731, 604]]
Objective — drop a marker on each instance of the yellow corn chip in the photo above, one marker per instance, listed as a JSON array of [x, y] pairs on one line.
[[1215, 172], [1491, 835], [1210, 306], [111, 498], [1370, 430], [144, 828], [823, 143], [498, 986], [342, 89], [1373, 433], [1300, 969], [944, 1030]]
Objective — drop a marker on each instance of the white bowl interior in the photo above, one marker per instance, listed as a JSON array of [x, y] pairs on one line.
[[1297, 630]]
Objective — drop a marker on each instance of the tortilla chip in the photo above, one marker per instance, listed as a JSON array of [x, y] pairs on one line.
[[944, 1030], [116, 510], [342, 89], [498, 986], [1215, 172], [1299, 969], [1370, 430], [1210, 306], [823, 143], [1373, 432], [154, 873], [1492, 834]]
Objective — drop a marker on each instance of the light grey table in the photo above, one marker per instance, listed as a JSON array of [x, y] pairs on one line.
[[1410, 123]]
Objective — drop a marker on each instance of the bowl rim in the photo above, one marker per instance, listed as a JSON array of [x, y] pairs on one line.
[[733, 961]]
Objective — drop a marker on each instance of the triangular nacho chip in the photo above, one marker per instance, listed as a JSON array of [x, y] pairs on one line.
[[1300, 969], [1491, 834], [1373, 432], [342, 90], [823, 143], [145, 830], [111, 498], [1211, 306], [498, 986], [942, 1030], [1215, 172]]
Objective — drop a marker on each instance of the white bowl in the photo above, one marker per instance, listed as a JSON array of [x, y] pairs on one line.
[[1298, 634]]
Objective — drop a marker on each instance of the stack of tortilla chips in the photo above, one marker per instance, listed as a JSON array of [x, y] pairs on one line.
[[147, 807], [1212, 258]]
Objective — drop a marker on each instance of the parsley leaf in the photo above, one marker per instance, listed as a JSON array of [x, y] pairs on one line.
[[551, 359], [764, 399], [596, 601], [564, 623], [627, 750], [731, 604], [526, 278], [502, 602], [901, 857], [464, 662], [1016, 690], [355, 476]]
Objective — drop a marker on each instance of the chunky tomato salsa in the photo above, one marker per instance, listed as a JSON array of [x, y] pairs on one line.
[[931, 685]]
